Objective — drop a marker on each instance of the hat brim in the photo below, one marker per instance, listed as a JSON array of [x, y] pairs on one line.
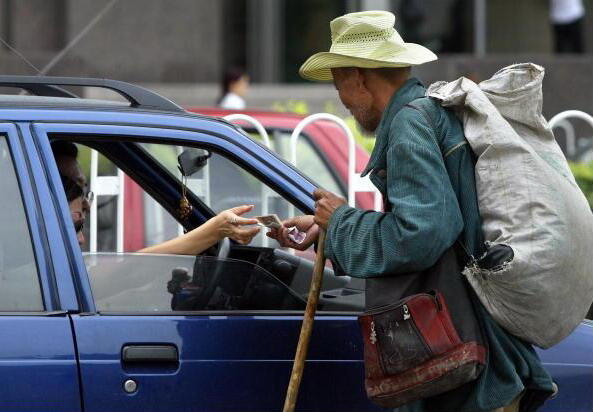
[[318, 67]]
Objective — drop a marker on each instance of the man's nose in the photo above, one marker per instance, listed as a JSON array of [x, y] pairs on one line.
[[80, 238], [86, 206]]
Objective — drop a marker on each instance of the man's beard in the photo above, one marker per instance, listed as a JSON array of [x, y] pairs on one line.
[[367, 119]]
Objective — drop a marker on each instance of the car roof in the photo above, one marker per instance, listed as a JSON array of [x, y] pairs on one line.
[[53, 87]]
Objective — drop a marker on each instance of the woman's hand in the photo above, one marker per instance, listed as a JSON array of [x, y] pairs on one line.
[[230, 224], [303, 224]]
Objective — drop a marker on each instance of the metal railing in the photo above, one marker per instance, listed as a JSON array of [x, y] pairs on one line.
[[561, 121], [356, 183]]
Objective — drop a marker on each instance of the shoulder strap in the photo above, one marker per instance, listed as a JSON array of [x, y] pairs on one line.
[[420, 105]]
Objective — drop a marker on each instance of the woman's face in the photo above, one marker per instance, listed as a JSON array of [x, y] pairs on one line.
[[78, 212]]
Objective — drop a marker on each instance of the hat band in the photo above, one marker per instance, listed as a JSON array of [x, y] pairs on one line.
[[370, 36], [375, 50]]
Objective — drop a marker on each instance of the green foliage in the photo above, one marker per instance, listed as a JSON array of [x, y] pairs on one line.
[[302, 108], [583, 173], [291, 106]]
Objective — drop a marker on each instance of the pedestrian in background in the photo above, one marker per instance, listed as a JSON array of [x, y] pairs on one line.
[[567, 20], [235, 84]]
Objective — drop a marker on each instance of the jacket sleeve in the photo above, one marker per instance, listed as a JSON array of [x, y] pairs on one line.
[[424, 220]]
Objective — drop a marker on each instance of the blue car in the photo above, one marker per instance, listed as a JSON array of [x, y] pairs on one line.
[[109, 330]]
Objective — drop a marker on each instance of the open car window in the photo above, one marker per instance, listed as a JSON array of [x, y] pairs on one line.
[[132, 282]]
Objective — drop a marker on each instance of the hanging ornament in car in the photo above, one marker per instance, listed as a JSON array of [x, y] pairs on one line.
[[185, 208]]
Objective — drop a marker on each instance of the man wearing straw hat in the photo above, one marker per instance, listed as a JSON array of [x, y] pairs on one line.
[[432, 198]]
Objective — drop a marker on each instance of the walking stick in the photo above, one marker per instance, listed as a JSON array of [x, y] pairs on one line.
[[306, 327]]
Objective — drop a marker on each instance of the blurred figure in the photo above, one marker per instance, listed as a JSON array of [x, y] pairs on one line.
[[235, 84], [460, 37], [412, 14], [567, 17]]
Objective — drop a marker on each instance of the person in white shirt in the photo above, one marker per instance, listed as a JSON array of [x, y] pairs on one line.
[[567, 17], [235, 84]]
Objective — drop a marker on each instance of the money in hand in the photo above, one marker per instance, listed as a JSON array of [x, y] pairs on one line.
[[295, 235], [271, 221]]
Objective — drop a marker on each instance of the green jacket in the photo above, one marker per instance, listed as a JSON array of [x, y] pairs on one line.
[[424, 168]]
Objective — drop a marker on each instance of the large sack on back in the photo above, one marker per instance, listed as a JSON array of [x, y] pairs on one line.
[[529, 201]]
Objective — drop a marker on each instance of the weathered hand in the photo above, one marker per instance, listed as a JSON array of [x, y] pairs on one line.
[[303, 224], [325, 205], [230, 224]]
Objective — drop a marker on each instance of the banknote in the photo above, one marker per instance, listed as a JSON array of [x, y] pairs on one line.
[[295, 235], [271, 221]]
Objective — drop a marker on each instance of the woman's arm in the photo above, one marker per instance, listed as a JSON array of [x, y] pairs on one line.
[[226, 224]]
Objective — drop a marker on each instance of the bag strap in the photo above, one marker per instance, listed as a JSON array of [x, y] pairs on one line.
[[460, 247]]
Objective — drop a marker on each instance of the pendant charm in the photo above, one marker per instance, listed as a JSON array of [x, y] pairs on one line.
[[373, 337], [185, 208]]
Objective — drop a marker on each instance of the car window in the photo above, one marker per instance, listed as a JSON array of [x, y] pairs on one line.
[[20, 289], [164, 283]]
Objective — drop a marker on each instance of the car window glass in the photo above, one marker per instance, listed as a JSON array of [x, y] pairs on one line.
[[19, 280], [164, 283]]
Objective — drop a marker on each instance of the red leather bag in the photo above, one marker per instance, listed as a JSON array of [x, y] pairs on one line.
[[424, 343]]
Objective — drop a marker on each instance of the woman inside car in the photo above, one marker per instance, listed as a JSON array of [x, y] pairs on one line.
[[228, 223]]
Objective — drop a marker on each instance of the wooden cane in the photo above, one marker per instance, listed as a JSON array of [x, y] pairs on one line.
[[306, 327]]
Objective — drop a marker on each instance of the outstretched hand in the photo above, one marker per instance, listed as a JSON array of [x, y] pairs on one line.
[[303, 224], [231, 224]]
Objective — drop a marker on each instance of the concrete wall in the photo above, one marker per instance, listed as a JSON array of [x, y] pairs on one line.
[[148, 40], [568, 82]]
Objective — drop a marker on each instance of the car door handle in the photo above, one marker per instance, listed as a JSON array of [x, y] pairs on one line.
[[149, 354]]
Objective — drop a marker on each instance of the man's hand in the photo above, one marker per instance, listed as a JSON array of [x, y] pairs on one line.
[[303, 224], [325, 205]]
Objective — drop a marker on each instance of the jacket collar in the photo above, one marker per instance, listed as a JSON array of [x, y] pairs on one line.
[[410, 90]]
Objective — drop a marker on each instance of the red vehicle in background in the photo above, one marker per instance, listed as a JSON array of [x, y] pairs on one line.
[[323, 147]]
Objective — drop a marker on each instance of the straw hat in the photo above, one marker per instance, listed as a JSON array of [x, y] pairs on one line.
[[366, 39]]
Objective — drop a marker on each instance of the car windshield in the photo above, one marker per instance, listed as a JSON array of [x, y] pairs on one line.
[[135, 282]]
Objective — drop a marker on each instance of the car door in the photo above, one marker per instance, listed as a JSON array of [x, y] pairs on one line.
[[138, 354], [38, 366]]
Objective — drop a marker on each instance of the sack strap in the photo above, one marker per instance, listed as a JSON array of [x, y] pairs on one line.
[[460, 248]]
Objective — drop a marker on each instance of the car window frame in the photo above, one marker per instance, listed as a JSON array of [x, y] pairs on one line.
[[31, 190]]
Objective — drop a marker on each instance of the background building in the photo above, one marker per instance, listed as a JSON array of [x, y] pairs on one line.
[[182, 47]]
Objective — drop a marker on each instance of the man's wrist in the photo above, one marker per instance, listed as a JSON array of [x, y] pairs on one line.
[[336, 215]]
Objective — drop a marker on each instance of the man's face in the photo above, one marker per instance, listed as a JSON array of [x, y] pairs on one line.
[[79, 207], [355, 96]]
